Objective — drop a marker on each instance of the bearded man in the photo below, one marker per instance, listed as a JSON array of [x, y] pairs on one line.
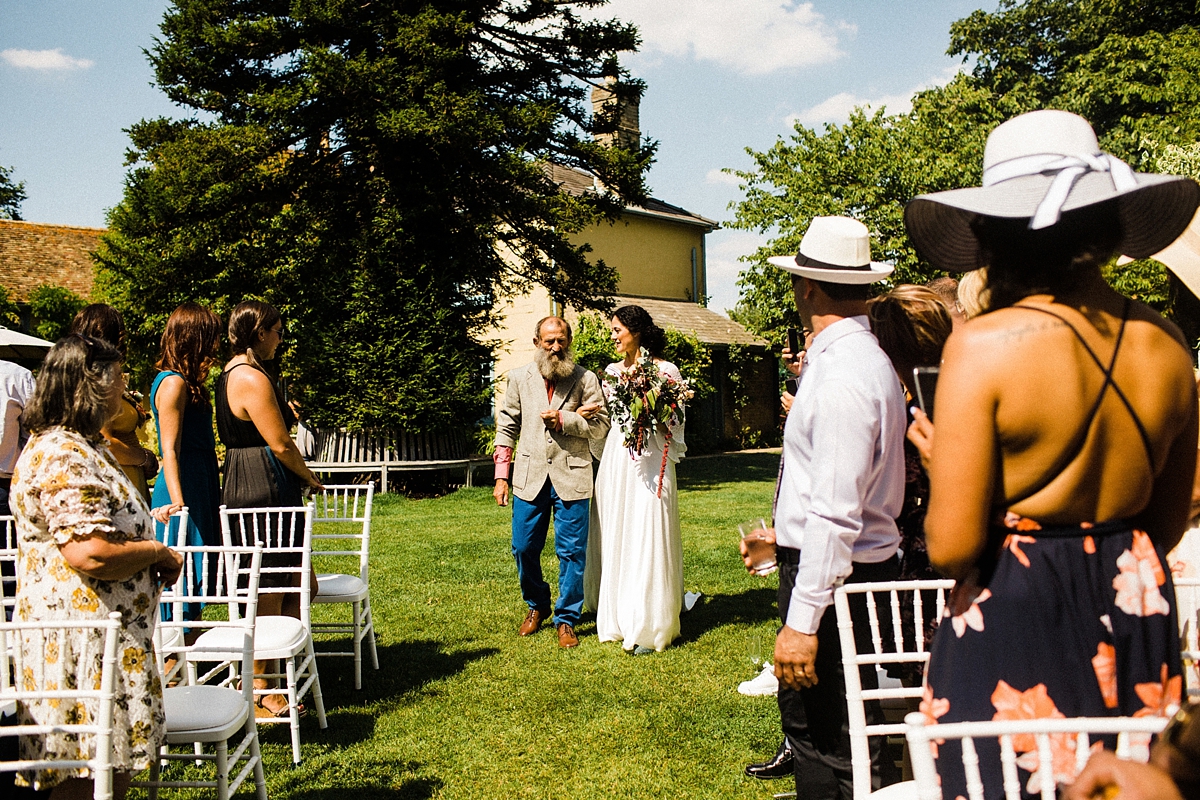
[[552, 409]]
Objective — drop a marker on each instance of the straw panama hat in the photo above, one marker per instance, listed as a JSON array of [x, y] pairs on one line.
[[1038, 166], [835, 250]]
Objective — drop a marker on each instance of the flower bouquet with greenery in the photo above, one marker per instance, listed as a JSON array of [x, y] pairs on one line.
[[642, 400]]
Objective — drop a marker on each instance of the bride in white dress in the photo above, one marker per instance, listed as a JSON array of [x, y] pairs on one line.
[[633, 577]]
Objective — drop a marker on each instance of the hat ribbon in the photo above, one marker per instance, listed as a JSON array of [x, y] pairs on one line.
[[1066, 170]]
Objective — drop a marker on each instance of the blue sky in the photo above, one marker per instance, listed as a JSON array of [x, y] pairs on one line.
[[722, 75]]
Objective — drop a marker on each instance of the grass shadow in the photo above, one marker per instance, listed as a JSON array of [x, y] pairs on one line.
[[372, 781], [751, 607], [405, 667], [707, 474]]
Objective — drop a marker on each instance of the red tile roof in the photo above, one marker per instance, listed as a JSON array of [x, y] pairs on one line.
[[33, 253]]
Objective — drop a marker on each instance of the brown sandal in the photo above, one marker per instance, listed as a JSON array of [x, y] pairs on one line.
[[261, 710]]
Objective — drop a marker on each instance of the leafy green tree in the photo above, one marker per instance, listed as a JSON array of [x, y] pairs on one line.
[[53, 308], [11, 195], [378, 172], [1132, 69], [10, 314]]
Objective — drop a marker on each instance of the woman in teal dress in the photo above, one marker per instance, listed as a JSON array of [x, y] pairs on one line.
[[183, 413]]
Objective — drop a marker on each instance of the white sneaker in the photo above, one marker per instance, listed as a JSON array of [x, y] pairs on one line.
[[689, 600], [762, 686]]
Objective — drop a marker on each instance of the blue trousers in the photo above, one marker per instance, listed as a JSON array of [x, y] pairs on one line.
[[530, 523]]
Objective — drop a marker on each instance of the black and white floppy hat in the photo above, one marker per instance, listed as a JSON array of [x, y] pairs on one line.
[[836, 250], [1038, 166]]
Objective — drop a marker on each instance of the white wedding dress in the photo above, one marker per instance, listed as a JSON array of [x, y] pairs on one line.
[[633, 578]]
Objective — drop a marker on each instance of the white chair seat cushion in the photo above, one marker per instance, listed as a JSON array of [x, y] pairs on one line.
[[203, 709], [336, 587], [906, 790], [274, 637]]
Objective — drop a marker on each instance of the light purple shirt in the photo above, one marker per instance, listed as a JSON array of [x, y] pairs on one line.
[[843, 465]]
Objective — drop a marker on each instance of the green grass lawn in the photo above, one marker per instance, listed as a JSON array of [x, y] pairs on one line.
[[462, 707]]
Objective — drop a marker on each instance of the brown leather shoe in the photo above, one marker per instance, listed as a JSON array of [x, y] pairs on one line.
[[566, 636], [533, 621]]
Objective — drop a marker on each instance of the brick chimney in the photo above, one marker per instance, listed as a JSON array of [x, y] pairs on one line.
[[628, 134]]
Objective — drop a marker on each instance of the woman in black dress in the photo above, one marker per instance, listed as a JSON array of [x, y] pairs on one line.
[[263, 466]]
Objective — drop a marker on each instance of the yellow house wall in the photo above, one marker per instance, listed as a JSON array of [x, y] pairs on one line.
[[652, 256], [515, 332]]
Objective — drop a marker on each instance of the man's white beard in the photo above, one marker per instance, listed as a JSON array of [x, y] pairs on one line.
[[554, 369]]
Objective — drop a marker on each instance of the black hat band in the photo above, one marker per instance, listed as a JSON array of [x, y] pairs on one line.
[[804, 261]]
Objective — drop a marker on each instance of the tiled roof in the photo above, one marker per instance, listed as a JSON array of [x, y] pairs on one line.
[[33, 253], [578, 182], [687, 317]]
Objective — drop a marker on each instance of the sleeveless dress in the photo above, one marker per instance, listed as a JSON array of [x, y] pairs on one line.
[[67, 487], [1065, 621], [199, 475], [254, 476], [199, 478], [124, 427], [633, 577]]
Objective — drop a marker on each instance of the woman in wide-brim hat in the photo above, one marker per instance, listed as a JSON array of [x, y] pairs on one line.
[[1065, 444]]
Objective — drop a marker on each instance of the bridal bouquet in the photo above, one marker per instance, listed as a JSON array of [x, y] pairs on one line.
[[643, 400]]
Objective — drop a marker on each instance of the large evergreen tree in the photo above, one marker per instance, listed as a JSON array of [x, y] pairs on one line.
[[1131, 68], [377, 171], [12, 194]]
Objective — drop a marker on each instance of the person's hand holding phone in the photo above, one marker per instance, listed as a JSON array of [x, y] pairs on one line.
[[793, 356], [920, 433]]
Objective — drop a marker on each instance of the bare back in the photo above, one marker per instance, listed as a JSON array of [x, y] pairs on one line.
[[1063, 442]]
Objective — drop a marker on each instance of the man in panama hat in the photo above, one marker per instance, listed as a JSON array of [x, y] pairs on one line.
[[840, 490]]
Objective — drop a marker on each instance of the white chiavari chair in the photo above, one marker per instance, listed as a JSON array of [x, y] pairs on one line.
[[342, 521], [896, 638], [215, 707], [282, 531], [1070, 737], [96, 719], [1187, 602], [8, 566]]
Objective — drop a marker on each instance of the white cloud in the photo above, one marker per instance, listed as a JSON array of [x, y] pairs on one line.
[[837, 109], [752, 37], [723, 248], [45, 60], [720, 176]]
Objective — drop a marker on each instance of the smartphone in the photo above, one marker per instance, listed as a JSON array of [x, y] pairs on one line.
[[791, 385], [794, 342], [925, 379]]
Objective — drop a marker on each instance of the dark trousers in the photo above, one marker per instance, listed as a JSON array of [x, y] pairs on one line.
[[815, 720]]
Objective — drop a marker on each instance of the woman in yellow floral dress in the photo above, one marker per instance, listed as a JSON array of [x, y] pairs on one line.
[[86, 548]]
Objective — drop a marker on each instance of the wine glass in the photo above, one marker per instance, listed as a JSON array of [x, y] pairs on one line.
[[754, 648]]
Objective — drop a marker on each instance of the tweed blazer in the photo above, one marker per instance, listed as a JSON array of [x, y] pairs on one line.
[[564, 456]]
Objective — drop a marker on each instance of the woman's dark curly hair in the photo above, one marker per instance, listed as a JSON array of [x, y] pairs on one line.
[[638, 322], [72, 386]]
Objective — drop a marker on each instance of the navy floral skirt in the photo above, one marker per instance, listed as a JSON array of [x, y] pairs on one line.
[[1072, 622]]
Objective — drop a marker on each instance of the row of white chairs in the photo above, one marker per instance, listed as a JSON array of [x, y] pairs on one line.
[[212, 659], [899, 638]]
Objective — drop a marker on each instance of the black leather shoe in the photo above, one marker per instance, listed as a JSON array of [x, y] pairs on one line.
[[779, 766]]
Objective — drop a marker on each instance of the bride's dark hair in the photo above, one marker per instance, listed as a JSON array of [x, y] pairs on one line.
[[637, 321]]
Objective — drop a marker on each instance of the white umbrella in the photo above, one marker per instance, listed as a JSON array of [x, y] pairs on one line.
[[17, 345]]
